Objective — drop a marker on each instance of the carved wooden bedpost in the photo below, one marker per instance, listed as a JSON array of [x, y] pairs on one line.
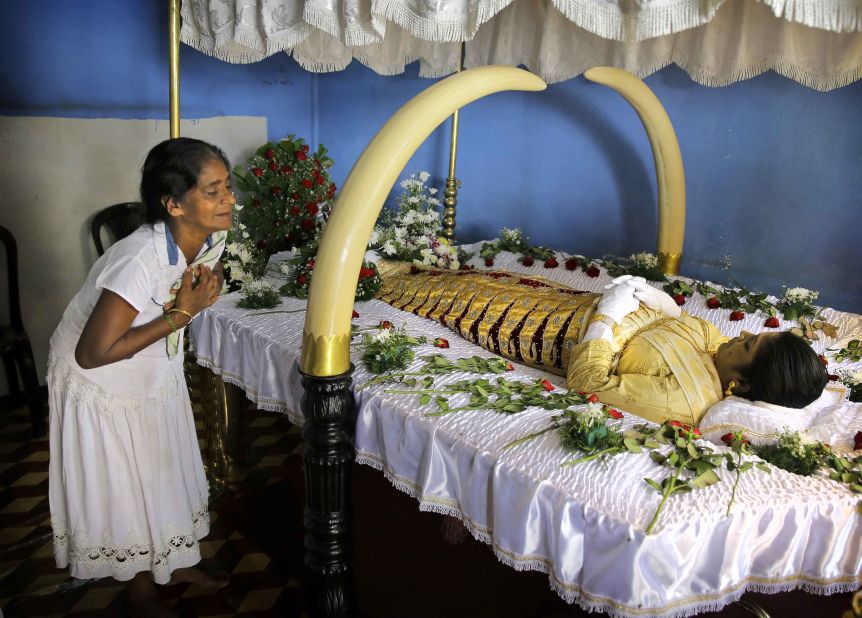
[[329, 410]]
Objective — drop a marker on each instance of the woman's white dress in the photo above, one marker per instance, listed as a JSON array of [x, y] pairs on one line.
[[127, 486]]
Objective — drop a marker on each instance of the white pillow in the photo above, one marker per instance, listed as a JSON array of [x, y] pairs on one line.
[[762, 422]]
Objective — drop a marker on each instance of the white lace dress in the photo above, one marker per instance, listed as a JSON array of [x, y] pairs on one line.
[[126, 482]]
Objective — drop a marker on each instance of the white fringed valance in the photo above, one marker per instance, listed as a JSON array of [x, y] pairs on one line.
[[817, 43]]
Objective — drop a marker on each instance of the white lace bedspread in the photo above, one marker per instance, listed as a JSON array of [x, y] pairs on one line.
[[583, 525]]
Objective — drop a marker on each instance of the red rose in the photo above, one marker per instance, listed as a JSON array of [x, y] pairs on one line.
[[676, 424], [727, 438], [307, 183], [547, 385], [294, 211], [301, 280], [582, 393], [615, 414], [332, 188], [366, 273], [593, 271], [713, 303], [269, 154], [467, 267], [276, 191], [307, 224], [261, 243], [304, 148], [592, 398], [527, 260], [295, 197], [355, 314], [439, 342], [385, 324], [511, 367], [257, 171], [273, 165], [300, 156], [572, 263], [772, 322], [695, 431], [286, 170], [551, 263], [319, 180], [316, 162], [489, 262], [823, 360], [736, 316], [857, 441], [312, 209], [679, 299]]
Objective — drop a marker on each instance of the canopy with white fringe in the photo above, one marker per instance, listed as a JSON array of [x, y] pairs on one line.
[[817, 43]]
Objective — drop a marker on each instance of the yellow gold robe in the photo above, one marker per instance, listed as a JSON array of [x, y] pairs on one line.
[[659, 368]]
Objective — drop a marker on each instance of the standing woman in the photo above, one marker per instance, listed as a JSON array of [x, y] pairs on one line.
[[127, 488]]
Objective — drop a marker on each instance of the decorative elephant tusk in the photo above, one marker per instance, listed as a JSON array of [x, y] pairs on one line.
[[326, 335]]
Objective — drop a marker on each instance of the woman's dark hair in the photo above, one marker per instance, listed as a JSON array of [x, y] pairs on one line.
[[786, 372], [172, 169]]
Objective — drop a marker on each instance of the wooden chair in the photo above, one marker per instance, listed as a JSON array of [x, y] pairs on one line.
[[120, 219], [15, 348]]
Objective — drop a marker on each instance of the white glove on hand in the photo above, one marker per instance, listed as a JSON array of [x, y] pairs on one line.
[[653, 298], [618, 301]]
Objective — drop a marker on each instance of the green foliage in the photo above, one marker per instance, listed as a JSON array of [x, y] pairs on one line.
[[790, 454]]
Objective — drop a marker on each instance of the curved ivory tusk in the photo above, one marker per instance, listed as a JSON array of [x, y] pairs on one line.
[[669, 173], [326, 336]]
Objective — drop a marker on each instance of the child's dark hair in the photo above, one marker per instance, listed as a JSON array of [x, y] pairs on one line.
[[171, 169], [786, 372]]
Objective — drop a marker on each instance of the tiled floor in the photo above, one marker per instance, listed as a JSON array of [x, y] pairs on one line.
[[405, 568]]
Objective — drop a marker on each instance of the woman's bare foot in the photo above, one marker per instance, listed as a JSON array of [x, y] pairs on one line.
[[195, 575], [144, 600]]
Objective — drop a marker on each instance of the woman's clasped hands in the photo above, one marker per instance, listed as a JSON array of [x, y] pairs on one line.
[[199, 289]]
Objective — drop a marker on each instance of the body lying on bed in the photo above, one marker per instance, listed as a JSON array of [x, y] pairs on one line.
[[632, 345]]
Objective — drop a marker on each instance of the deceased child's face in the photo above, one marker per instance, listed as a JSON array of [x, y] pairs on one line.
[[735, 356]]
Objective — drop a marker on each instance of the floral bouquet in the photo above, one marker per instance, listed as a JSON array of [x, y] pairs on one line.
[[412, 233], [798, 303], [288, 194], [258, 295]]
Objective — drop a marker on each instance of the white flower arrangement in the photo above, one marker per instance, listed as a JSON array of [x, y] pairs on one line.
[[644, 260], [412, 232], [799, 295], [258, 295], [511, 237], [851, 378]]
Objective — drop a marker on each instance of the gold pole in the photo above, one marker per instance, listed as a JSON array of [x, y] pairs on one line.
[[174, 60], [450, 193]]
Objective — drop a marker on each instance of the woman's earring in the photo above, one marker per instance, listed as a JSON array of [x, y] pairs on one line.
[[729, 390]]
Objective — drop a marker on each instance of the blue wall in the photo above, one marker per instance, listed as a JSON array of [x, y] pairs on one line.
[[772, 168]]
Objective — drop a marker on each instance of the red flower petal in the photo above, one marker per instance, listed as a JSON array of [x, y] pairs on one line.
[[572, 263], [736, 316], [510, 367], [593, 271], [269, 154], [676, 424], [257, 171], [439, 342], [857, 441], [713, 303], [772, 322], [355, 314], [551, 263], [547, 385], [593, 398], [679, 299], [527, 260], [727, 438], [489, 262], [385, 324], [615, 413]]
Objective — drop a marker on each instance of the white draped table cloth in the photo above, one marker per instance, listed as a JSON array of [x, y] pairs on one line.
[[583, 525]]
